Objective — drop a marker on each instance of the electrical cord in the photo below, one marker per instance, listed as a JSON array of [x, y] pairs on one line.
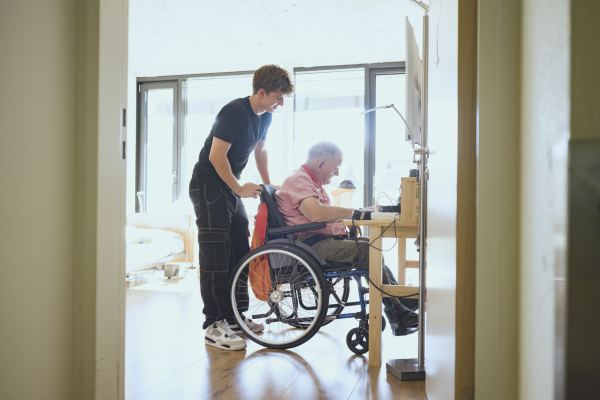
[[355, 263], [387, 196], [396, 218], [339, 223]]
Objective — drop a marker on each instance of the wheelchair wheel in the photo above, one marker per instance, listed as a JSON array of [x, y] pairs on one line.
[[339, 291], [295, 295], [357, 340]]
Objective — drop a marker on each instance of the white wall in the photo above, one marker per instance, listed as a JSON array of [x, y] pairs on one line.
[[37, 160], [186, 37], [545, 131], [441, 240]]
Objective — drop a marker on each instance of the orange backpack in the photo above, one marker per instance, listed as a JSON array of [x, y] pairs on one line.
[[259, 271]]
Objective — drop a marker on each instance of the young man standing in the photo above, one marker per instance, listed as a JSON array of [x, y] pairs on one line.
[[239, 129]]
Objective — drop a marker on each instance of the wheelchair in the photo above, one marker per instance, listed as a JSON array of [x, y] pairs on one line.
[[304, 292]]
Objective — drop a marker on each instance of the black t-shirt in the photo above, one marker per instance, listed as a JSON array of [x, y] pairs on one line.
[[237, 124]]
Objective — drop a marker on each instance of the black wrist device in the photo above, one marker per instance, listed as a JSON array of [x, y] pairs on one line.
[[361, 215]]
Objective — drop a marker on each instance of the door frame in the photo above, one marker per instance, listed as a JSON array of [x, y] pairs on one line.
[[109, 358], [466, 202], [110, 285]]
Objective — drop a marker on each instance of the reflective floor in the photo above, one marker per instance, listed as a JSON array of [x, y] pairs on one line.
[[166, 357]]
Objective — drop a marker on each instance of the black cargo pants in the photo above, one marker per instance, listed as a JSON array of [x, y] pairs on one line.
[[223, 240]]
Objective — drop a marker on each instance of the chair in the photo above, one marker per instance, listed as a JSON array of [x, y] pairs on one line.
[[305, 291]]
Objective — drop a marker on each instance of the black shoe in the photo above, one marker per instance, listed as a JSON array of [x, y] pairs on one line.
[[412, 304], [408, 323], [401, 331]]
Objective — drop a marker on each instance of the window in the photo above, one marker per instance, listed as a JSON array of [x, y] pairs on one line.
[[204, 97], [393, 154], [328, 106], [176, 117], [157, 151]]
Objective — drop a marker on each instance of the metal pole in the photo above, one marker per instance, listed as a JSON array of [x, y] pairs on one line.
[[423, 178], [414, 369]]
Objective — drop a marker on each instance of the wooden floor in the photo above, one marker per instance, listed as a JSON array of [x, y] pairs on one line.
[[166, 357]]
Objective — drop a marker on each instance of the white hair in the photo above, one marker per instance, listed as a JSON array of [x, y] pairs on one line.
[[323, 150]]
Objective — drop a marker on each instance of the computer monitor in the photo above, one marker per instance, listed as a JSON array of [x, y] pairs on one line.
[[414, 84]]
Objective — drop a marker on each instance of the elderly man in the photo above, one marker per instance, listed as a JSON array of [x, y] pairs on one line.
[[302, 199]]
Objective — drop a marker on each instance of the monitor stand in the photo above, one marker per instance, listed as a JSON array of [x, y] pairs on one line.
[[406, 369]]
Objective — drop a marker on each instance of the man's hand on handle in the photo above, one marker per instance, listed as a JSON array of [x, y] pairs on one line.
[[249, 190]]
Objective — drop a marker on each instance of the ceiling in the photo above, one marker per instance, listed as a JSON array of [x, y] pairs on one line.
[[171, 37]]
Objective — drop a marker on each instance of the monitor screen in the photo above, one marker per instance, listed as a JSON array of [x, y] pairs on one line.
[[414, 79]]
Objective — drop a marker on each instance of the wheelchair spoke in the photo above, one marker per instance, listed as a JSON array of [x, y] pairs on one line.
[[291, 295]]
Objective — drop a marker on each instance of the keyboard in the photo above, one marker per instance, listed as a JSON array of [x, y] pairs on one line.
[[367, 214]]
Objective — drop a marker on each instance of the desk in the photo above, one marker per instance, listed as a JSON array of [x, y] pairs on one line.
[[377, 231]]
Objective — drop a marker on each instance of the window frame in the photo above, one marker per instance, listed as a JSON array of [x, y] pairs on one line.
[[370, 92], [371, 71], [142, 138], [179, 139], [371, 121]]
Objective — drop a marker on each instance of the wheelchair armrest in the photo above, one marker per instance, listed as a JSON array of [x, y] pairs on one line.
[[284, 230]]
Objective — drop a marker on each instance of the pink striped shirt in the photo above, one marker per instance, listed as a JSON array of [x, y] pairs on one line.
[[297, 187]]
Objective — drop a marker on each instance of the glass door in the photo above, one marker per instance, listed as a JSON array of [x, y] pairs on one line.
[[157, 159], [393, 156]]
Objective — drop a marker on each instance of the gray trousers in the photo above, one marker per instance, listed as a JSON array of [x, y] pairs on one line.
[[345, 251]]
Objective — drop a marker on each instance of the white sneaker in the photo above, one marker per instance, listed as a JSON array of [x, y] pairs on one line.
[[253, 326], [221, 336]]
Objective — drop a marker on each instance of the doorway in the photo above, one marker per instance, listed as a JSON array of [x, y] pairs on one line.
[[317, 64]]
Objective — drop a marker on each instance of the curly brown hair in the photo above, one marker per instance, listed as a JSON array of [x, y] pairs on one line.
[[272, 78]]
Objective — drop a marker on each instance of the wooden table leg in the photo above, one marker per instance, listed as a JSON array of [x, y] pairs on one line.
[[401, 260], [375, 273]]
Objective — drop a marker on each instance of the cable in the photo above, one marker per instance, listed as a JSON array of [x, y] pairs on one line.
[[392, 201], [355, 263], [396, 218], [341, 226]]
